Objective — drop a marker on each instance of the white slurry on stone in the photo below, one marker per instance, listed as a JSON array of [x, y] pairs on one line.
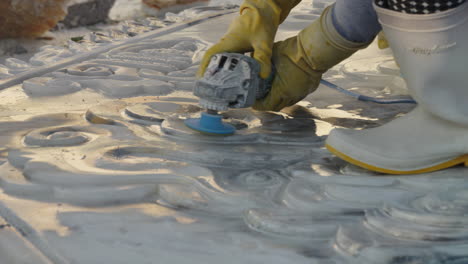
[[45, 86], [96, 163]]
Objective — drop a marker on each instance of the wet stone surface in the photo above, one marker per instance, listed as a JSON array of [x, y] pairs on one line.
[[108, 158]]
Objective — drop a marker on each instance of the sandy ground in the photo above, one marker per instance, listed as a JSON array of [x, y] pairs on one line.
[[97, 166]]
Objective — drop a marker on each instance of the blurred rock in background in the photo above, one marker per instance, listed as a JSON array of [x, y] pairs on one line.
[[29, 18], [160, 7], [87, 12]]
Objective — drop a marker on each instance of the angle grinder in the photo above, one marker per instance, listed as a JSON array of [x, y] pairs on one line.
[[231, 80]]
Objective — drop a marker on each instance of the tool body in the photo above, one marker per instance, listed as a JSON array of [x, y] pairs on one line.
[[231, 81]]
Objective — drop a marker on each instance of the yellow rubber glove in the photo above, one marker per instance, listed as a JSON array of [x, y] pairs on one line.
[[300, 62], [254, 31]]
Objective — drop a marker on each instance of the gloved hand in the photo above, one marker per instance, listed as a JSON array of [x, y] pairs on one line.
[[254, 30], [300, 62]]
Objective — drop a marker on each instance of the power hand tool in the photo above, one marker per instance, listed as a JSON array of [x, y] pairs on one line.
[[231, 81]]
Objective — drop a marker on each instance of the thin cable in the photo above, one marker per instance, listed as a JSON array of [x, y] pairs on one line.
[[365, 98]]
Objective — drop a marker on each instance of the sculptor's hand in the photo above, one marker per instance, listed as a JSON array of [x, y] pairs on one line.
[[254, 31]]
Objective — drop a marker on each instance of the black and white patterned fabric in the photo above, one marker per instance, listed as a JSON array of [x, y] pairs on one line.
[[419, 6]]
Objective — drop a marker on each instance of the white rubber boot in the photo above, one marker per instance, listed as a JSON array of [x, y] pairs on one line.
[[432, 51]]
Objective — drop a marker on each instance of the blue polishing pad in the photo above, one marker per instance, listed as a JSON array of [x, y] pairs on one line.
[[210, 124]]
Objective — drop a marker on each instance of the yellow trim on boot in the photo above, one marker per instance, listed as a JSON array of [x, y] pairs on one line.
[[462, 159]]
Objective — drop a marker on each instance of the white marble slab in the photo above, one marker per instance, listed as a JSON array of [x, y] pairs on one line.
[[97, 167]]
